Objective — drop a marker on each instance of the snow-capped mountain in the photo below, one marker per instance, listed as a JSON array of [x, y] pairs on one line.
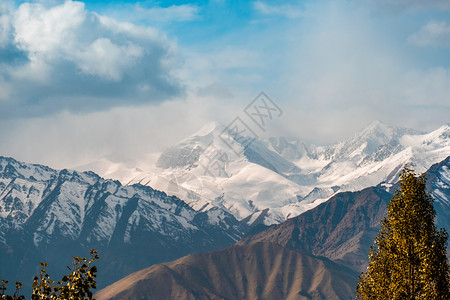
[[273, 179], [46, 213], [339, 232], [438, 184], [210, 169], [379, 151], [343, 228], [49, 215]]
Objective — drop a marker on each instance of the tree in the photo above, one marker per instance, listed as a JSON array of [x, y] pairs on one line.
[[408, 259], [75, 286], [15, 296]]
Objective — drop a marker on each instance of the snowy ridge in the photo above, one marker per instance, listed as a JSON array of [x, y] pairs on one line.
[[285, 176], [50, 215], [73, 205], [440, 182], [444, 183], [255, 179]]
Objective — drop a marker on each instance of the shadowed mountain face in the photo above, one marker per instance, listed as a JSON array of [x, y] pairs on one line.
[[438, 184], [256, 271], [341, 229]]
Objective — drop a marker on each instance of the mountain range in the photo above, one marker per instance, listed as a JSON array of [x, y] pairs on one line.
[[323, 205], [269, 180], [49, 215], [316, 255], [256, 271]]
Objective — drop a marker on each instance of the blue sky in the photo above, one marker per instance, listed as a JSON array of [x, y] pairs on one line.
[[79, 80]]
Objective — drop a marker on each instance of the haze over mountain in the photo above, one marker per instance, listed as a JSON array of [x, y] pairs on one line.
[[128, 77], [341, 229], [270, 180]]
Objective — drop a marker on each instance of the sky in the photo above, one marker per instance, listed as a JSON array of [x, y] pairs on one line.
[[80, 80]]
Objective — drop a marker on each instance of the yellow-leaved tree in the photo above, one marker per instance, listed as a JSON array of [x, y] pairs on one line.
[[408, 259], [77, 285]]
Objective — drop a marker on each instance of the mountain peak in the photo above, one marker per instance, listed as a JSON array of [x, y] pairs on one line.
[[378, 128], [377, 124], [187, 152], [444, 128], [380, 133], [211, 127]]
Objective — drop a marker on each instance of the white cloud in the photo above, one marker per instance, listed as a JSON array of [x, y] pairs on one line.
[[345, 70], [228, 65], [410, 5], [284, 10], [48, 31], [5, 25], [66, 139], [67, 52], [432, 34], [173, 13], [108, 60], [429, 88], [333, 70]]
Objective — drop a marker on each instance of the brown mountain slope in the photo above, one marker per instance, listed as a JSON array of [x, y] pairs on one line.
[[341, 229], [255, 271]]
